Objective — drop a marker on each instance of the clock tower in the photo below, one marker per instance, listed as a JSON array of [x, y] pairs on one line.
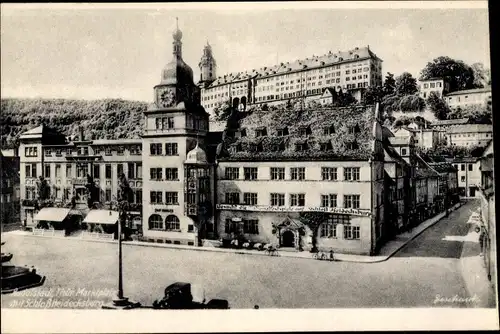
[[175, 124]]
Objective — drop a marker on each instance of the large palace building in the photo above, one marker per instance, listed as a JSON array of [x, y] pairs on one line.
[[351, 71]]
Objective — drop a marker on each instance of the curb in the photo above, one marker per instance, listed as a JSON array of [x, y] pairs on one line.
[[369, 259]]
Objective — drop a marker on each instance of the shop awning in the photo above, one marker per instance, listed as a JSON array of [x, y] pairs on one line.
[[52, 214], [101, 217]]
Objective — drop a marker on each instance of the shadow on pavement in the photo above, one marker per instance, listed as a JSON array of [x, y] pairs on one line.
[[444, 239]]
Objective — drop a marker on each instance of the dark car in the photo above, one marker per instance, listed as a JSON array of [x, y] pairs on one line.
[[178, 296]]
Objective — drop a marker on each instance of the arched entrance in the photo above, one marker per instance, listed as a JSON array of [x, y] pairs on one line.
[[288, 239], [236, 102]]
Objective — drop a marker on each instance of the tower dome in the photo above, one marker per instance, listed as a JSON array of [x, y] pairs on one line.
[[177, 71], [196, 156]]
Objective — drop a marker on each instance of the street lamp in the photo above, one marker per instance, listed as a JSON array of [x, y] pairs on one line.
[[121, 302]]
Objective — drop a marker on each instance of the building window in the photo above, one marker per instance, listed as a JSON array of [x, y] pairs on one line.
[[351, 173], [31, 151], [190, 228], [107, 151], [97, 150], [171, 174], [328, 230], [69, 170], [250, 226], [155, 174], [260, 132], [108, 195], [131, 170], [297, 199], [277, 173], [351, 232], [232, 173], [47, 171], [96, 171], [351, 201], [135, 150], [297, 173], [282, 132], [328, 130], [121, 150], [155, 149], [277, 199], [232, 198], [155, 222], [58, 170], [329, 201], [403, 151], [250, 173], [462, 179], [119, 170], [82, 170], [164, 123], [156, 197], [108, 171], [462, 167], [305, 131], [230, 226], [48, 152], [471, 167], [171, 149], [299, 147], [250, 198], [171, 198], [329, 173]]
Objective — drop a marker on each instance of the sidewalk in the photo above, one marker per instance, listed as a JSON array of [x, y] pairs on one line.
[[474, 272], [388, 250]]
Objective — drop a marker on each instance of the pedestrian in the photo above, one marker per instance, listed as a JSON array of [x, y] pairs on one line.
[[331, 255]]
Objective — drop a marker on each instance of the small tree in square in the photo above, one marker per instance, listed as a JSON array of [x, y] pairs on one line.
[[313, 220]]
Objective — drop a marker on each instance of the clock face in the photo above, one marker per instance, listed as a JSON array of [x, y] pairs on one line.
[[166, 98]]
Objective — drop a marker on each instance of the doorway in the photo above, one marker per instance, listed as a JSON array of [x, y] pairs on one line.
[[288, 239]]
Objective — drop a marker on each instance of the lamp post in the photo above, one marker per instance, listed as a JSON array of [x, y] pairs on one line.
[[121, 302]]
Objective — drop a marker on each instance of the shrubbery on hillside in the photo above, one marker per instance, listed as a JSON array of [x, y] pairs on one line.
[[100, 119]]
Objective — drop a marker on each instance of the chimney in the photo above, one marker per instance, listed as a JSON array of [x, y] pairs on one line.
[[82, 138]]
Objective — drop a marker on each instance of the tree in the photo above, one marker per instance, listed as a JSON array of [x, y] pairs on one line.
[[406, 84], [43, 190], [92, 192], [222, 111], [410, 103], [439, 108], [124, 195], [389, 84], [456, 73], [481, 75], [313, 220], [372, 95]]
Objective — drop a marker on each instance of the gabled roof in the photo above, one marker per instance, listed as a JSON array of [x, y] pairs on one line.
[[464, 128], [446, 122], [442, 167], [486, 89]]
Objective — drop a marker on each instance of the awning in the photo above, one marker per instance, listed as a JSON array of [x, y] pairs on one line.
[[101, 217], [52, 214]]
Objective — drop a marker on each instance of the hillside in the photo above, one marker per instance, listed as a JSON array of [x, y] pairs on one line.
[[101, 119]]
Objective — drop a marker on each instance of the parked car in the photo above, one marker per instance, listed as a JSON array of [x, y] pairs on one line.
[[178, 296]]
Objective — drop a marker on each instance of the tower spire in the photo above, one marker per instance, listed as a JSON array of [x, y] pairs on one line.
[[177, 22]]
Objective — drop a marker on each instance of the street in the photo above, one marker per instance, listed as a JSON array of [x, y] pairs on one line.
[[426, 268]]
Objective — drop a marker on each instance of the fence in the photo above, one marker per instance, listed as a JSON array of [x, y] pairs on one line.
[[48, 232], [96, 235]]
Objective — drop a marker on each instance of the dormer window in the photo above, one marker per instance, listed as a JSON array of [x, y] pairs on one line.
[[305, 131], [325, 146], [352, 145], [260, 132], [328, 130], [48, 152], [281, 132], [354, 129], [238, 148], [301, 146], [243, 132], [259, 147]]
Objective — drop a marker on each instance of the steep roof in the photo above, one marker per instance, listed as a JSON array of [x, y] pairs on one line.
[[447, 122], [299, 65], [442, 167], [486, 89], [336, 146], [471, 128]]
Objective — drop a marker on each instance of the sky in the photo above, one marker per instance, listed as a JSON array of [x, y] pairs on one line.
[[118, 51]]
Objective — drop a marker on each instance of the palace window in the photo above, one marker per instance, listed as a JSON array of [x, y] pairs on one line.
[[250, 173], [96, 171], [97, 150], [328, 130], [353, 145], [172, 223], [155, 149], [328, 230], [305, 131], [107, 151], [277, 173], [171, 198], [69, 170], [232, 198], [120, 150], [260, 132], [155, 222], [155, 174], [171, 174], [171, 149], [351, 232], [277, 199], [282, 132], [351, 201], [31, 151], [48, 152], [351, 173], [119, 168], [58, 170], [232, 173], [329, 173], [155, 197], [297, 199], [250, 198], [250, 226], [230, 226], [329, 201], [108, 171], [47, 171], [299, 147], [297, 173], [108, 195]]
